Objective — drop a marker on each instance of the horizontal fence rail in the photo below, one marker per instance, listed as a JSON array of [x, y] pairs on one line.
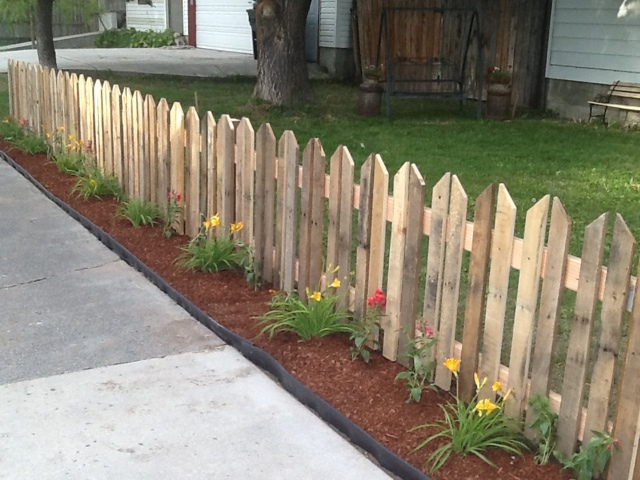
[[303, 222]]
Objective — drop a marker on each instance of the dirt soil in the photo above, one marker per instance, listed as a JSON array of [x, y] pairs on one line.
[[366, 393]]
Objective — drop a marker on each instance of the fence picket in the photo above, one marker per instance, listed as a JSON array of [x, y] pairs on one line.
[[501, 250], [580, 337], [226, 181], [264, 201], [208, 135], [164, 169], [435, 257], [82, 108], [176, 159], [127, 143], [478, 273], [192, 163], [107, 140], [245, 167], [311, 218], [151, 144], [89, 113], [287, 210], [621, 252], [627, 416], [46, 102], [340, 227], [97, 122], [451, 281], [36, 124], [116, 133], [550, 303], [404, 259], [526, 305], [72, 100]]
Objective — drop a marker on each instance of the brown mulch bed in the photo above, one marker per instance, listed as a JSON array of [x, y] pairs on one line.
[[366, 393]]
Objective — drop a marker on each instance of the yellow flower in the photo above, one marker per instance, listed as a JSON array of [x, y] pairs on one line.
[[497, 387], [215, 220], [485, 406], [335, 284], [479, 385], [206, 224], [6, 120], [453, 364], [71, 137], [317, 296], [61, 129], [93, 183], [236, 227]]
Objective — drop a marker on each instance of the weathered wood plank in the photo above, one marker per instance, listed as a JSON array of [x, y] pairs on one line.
[[264, 201], [621, 253], [164, 165], [151, 144], [116, 133], [127, 143], [550, 303], [209, 159], [176, 158], [476, 295], [627, 416], [288, 151], [225, 155], [97, 122], [90, 132], [580, 338], [451, 281], [246, 153], [501, 250], [340, 222], [526, 305], [82, 107], [142, 170], [107, 129], [192, 180], [435, 257]]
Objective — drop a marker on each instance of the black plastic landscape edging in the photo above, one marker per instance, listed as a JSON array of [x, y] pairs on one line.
[[387, 459]]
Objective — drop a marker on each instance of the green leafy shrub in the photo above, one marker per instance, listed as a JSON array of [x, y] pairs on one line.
[[171, 211], [139, 212], [21, 135], [422, 365], [319, 316], [544, 427], [12, 130], [215, 254], [369, 327], [591, 461], [93, 183], [132, 38], [69, 154], [473, 428]]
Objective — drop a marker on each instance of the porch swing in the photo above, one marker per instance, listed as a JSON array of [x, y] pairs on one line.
[[438, 68]]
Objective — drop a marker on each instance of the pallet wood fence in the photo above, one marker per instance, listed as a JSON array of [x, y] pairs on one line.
[[287, 202]]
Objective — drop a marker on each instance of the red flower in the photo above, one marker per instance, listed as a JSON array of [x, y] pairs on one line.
[[178, 197], [428, 332], [378, 300]]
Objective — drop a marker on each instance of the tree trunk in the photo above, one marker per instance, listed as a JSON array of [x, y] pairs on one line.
[[283, 78], [44, 33]]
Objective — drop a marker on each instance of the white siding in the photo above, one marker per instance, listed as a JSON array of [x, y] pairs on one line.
[[146, 17], [335, 23], [185, 17], [223, 25], [589, 43]]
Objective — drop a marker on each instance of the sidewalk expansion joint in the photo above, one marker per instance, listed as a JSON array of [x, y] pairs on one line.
[[93, 267]]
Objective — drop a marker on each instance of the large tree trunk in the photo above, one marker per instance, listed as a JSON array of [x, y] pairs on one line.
[[44, 33], [283, 78]]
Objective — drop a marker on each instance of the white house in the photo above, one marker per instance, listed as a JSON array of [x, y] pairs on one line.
[[157, 16], [592, 43]]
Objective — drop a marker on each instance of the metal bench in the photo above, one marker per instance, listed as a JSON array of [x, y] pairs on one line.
[[618, 92]]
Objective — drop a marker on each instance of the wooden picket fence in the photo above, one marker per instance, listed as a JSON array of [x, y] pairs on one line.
[[291, 208]]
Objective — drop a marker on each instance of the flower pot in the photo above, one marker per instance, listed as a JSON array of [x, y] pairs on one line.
[[369, 98], [498, 101]]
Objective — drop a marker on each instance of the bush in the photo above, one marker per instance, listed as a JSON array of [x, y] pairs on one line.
[[132, 38]]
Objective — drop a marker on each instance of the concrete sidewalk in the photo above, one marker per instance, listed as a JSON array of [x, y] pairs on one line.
[[193, 62], [102, 376]]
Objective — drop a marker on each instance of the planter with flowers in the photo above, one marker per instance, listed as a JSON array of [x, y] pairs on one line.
[[498, 94], [370, 95]]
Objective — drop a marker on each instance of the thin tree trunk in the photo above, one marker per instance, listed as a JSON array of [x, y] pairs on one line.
[[44, 33], [283, 78]]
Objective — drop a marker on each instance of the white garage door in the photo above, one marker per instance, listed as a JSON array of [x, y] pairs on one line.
[[223, 25]]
